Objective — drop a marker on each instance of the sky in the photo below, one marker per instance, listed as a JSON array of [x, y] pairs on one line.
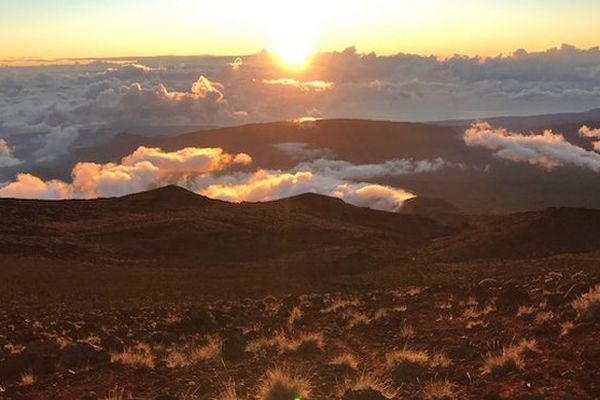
[[53, 29]]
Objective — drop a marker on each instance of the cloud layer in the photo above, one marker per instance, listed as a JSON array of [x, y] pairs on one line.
[[548, 149], [62, 106], [219, 175]]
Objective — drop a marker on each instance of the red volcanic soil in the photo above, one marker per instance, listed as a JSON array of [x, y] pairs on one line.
[[170, 295]]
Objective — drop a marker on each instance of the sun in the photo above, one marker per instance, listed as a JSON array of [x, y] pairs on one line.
[[293, 43]]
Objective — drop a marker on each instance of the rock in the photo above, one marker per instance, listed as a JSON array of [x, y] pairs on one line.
[[78, 354], [234, 345], [408, 372], [42, 348], [574, 291], [112, 343], [89, 396], [555, 300], [509, 299], [199, 321]]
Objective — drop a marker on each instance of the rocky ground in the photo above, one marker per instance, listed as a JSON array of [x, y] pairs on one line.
[[493, 330]]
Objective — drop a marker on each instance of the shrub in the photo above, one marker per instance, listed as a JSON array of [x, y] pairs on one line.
[[281, 384], [588, 304]]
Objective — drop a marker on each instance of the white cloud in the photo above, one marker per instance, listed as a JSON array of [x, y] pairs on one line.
[[302, 151], [548, 149], [211, 172], [7, 158], [110, 96], [593, 134], [345, 170]]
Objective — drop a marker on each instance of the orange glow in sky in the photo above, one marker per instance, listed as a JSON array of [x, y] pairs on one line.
[[291, 30]]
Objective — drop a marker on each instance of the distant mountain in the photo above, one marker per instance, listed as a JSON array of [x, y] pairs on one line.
[[438, 210], [523, 235], [531, 121], [474, 180], [173, 227]]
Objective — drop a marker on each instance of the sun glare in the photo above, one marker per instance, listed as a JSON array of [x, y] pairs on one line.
[[292, 42]]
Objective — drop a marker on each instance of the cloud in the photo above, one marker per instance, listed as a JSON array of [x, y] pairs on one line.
[[593, 134], [7, 159], [27, 186], [144, 169], [57, 142], [266, 185], [302, 151], [212, 172], [105, 97], [345, 170], [548, 149], [306, 86]]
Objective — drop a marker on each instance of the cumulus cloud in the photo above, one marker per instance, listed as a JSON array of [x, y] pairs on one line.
[[593, 134], [212, 172], [109, 96], [144, 169], [27, 186], [548, 149], [7, 159], [266, 185]]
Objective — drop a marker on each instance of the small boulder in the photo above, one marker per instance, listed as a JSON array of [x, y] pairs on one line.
[[510, 298]]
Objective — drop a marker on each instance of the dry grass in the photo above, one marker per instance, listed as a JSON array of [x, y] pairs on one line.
[[525, 311], [544, 316], [476, 313], [566, 328], [27, 379], [346, 360], [588, 305], [295, 315], [282, 384], [229, 392], [440, 359], [408, 355], [440, 390], [356, 318], [476, 323], [116, 394], [139, 356], [313, 342], [339, 304], [211, 350], [511, 358], [307, 342], [260, 347], [371, 382], [407, 331]]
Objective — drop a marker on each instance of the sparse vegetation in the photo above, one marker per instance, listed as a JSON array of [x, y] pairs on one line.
[[588, 305], [27, 379], [368, 386], [210, 350], [282, 384], [439, 390], [139, 356], [345, 360], [511, 358]]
